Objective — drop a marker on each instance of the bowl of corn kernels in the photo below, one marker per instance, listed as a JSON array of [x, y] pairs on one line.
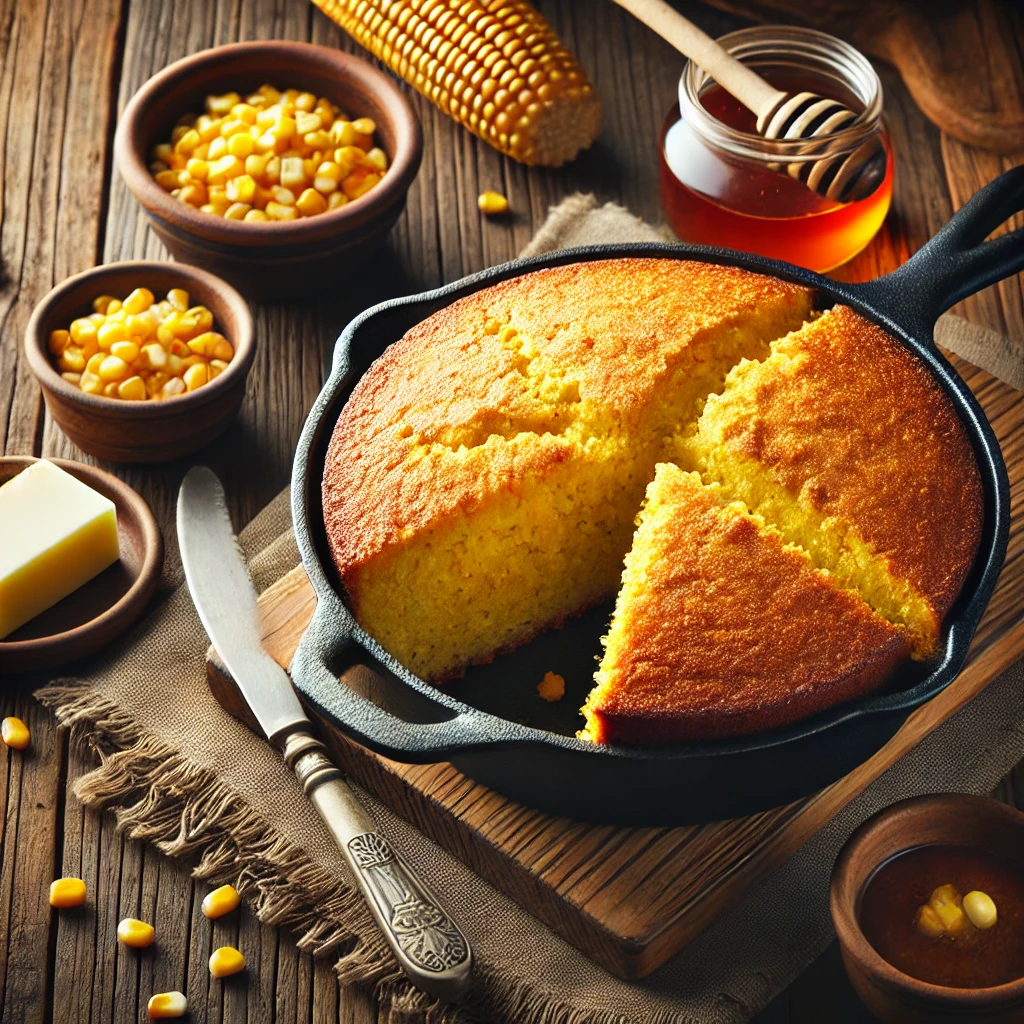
[[279, 166], [141, 361]]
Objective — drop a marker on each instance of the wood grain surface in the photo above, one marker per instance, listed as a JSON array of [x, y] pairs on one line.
[[66, 69]]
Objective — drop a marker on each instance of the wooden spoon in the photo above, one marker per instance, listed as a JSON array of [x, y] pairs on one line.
[[845, 177]]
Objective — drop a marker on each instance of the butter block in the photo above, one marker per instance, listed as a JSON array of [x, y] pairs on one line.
[[56, 533]]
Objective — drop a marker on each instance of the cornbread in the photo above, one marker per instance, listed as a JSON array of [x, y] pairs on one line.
[[815, 510], [843, 441], [484, 477], [722, 628]]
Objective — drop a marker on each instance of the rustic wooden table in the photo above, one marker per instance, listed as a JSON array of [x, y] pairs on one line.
[[66, 70]]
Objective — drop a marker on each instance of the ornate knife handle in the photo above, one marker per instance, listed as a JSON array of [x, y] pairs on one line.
[[427, 943]]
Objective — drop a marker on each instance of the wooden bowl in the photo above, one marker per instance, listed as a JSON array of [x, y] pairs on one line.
[[958, 820], [271, 259], [148, 431], [109, 603]]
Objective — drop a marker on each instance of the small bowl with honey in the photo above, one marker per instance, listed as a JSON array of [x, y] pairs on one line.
[[142, 361], [279, 166], [724, 184], [927, 899]]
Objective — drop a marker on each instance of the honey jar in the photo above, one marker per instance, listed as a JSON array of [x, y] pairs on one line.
[[723, 184]]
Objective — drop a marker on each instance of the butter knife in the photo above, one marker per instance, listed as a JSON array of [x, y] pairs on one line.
[[429, 946]]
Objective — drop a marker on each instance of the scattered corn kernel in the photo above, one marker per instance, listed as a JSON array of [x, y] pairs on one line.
[[492, 203], [551, 687], [226, 961], [135, 933], [142, 349], [980, 909], [167, 1004], [220, 902], [231, 160], [928, 922], [67, 892], [14, 733]]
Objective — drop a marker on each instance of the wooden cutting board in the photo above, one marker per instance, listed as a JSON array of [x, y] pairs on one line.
[[962, 60], [632, 897]]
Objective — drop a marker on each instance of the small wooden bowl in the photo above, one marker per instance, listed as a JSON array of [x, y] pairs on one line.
[[148, 431], [922, 821], [109, 603], [275, 259]]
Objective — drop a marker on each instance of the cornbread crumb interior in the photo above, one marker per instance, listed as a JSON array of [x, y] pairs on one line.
[[484, 480]]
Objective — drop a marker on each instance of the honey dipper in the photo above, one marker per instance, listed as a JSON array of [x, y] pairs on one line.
[[843, 177]]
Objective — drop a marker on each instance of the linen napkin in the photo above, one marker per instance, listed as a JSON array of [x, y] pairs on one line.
[[178, 771]]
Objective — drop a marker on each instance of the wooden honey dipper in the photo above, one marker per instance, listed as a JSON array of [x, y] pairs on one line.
[[844, 177]]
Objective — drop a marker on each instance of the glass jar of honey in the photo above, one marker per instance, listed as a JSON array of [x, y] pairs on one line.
[[723, 184]]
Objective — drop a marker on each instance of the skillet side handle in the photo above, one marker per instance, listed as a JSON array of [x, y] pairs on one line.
[[366, 723], [957, 261]]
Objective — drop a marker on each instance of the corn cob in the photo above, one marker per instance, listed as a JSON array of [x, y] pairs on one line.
[[496, 66]]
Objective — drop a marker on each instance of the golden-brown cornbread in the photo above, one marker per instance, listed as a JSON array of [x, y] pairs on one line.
[[722, 629], [843, 440], [484, 476]]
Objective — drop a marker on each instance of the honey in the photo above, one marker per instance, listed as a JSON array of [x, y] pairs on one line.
[[720, 181]]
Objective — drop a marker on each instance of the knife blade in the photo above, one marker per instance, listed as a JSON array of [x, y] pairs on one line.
[[429, 946]]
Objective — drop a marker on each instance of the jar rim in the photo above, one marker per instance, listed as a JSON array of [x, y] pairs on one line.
[[809, 48]]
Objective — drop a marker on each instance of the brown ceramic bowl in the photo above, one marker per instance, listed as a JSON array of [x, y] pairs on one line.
[[957, 820], [148, 431], [108, 604], [271, 260]]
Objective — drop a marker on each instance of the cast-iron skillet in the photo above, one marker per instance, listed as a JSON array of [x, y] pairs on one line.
[[493, 726]]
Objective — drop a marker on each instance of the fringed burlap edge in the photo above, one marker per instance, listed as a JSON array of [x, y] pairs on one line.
[[158, 796]]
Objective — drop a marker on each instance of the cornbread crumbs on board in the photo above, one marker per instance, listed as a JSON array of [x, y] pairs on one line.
[[551, 687]]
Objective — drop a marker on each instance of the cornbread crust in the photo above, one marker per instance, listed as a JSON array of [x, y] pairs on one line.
[[502, 400], [722, 629], [846, 425]]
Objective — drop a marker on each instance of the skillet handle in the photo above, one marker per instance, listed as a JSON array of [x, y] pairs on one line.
[[364, 721], [957, 261]]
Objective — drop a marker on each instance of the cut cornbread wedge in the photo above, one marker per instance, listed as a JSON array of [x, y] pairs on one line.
[[844, 442], [483, 479], [721, 628]]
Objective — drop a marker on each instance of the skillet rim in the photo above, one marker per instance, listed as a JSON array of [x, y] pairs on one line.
[[493, 732]]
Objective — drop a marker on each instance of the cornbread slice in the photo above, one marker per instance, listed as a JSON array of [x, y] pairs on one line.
[[844, 442], [483, 479], [721, 628]]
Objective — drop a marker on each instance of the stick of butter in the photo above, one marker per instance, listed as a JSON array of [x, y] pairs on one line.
[[56, 533]]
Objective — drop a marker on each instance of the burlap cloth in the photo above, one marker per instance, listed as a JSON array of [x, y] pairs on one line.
[[181, 773]]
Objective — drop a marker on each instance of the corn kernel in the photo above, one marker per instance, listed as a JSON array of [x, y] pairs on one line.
[[152, 357], [364, 126], [241, 189], [163, 152], [132, 390], [241, 145], [244, 112], [980, 909], [67, 892], [166, 1004], [14, 733], [188, 142], [138, 301], [196, 376], [175, 386], [217, 367], [59, 341], [226, 961], [135, 933], [110, 333], [293, 174], [219, 106], [492, 203], [307, 122], [377, 158], [72, 378], [127, 351], [110, 390], [356, 184], [72, 360], [928, 922], [337, 201], [178, 298], [94, 363], [282, 195], [82, 330], [237, 211], [113, 369], [218, 150], [310, 203], [91, 384], [221, 901], [100, 303], [202, 316], [277, 211], [256, 215]]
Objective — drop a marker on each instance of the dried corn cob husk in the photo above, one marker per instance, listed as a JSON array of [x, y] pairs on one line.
[[495, 65]]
